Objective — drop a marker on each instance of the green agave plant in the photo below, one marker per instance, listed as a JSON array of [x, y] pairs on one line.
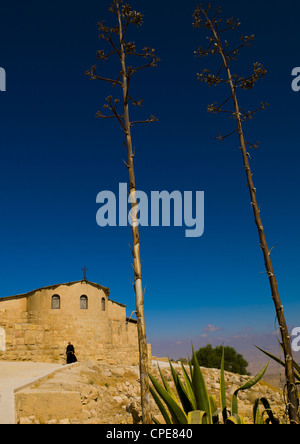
[[191, 403]]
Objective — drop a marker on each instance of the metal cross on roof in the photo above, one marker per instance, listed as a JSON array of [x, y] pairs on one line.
[[84, 272]]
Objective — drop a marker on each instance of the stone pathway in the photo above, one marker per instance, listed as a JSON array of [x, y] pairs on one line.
[[17, 375]]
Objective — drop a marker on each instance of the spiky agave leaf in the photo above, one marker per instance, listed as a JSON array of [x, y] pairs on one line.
[[189, 388], [259, 418], [181, 390], [223, 390], [200, 390], [197, 417], [176, 412], [167, 386], [214, 409], [279, 361], [235, 419], [161, 407], [246, 386]]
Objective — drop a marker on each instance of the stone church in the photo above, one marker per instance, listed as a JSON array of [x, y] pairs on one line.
[[38, 325]]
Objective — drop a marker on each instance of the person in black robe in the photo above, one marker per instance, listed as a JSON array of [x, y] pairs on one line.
[[70, 354]]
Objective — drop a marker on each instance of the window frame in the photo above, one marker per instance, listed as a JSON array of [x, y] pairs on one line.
[[84, 298], [55, 300]]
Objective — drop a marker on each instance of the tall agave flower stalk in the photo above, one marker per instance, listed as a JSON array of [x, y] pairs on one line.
[[211, 20], [123, 49]]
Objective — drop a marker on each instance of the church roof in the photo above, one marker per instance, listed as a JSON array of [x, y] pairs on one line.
[[53, 287]]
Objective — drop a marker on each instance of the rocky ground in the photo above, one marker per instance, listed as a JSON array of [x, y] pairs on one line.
[[108, 394]]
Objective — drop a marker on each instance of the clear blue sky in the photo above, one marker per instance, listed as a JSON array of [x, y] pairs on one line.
[[56, 157]]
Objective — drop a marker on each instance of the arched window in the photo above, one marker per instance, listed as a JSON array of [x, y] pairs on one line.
[[83, 302], [103, 304], [55, 302]]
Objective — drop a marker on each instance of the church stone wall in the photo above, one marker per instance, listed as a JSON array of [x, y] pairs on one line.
[[36, 332], [14, 310]]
